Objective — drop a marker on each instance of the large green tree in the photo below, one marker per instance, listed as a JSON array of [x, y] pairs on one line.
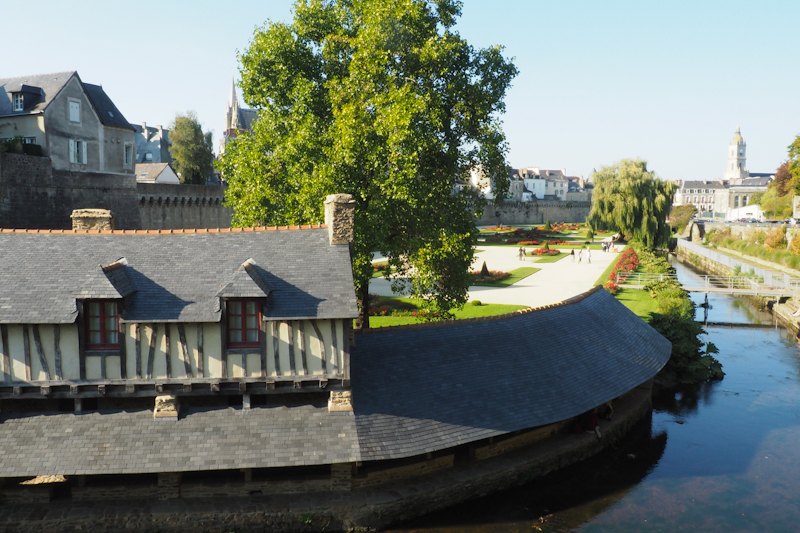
[[629, 199], [794, 163], [191, 149], [381, 99]]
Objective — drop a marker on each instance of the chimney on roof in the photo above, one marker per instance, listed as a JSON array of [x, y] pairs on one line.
[[340, 218], [86, 219]]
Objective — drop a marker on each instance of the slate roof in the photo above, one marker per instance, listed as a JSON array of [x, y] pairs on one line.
[[690, 184], [415, 390], [174, 275], [51, 85], [106, 110], [425, 389]]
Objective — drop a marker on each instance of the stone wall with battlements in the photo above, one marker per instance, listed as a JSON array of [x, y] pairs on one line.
[[34, 196], [534, 213]]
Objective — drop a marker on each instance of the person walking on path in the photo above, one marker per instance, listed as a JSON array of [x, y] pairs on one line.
[[580, 255], [572, 254], [588, 256], [520, 254]]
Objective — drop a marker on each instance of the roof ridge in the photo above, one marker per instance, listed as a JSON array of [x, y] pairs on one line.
[[249, 229], [568, 301], [44, 74]]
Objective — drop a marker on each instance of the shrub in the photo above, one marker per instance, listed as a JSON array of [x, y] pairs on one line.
[[490, 276], [476, 303], [611, 286], [776, 239], [547, 225]]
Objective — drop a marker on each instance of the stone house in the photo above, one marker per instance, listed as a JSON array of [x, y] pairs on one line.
[[76, 123], [152, 144], [161, 173]]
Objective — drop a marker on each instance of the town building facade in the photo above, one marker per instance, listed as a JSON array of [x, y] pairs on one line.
[[76, 123], [717, 198]]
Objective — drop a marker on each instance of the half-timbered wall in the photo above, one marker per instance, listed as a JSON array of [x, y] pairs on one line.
[[291, 349]]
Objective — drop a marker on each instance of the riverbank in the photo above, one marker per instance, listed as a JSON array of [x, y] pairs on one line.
[[781, 310]]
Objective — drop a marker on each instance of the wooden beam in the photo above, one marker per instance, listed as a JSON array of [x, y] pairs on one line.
[[57, 351], [137, 333], [276, 333], [201, 364], [123, 350], [323, 355], [26, 348], [6, 356], [103, 373], [81, 341], [37, 340], [187, 364], [301, 344], [263, 335], [151, 356], [335, 348], [168, 350], [292, 369], [223, 339]]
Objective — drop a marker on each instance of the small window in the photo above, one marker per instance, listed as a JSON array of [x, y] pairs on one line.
[[77, 152], [244, 318], [102, 325], [148, 156], [18, 102], [29, 140], [128, 158], [74, 111]]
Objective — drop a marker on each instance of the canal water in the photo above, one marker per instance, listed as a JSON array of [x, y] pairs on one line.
[[723, 456]]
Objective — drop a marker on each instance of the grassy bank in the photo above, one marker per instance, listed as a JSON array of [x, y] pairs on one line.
[[409, 305]]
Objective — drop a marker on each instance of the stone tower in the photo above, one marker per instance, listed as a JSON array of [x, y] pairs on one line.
[[736, 169]]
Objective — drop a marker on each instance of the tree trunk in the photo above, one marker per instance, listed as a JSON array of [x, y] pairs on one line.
[[362, 297]]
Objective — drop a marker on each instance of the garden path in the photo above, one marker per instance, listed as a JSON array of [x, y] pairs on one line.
[[554, 283]]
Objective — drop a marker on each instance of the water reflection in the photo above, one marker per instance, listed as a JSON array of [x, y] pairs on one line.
[[719, 457]]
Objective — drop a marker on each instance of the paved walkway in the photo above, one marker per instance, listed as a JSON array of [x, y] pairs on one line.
[[554, 283]]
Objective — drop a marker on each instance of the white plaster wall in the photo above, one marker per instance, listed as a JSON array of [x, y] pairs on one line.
[[17, 356], [70, 362]]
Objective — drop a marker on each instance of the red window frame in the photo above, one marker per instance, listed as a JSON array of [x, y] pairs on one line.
[[241, 332], [101, 324]]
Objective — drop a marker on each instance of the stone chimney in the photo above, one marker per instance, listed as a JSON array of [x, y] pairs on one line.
[[340, 218], [86, 219]]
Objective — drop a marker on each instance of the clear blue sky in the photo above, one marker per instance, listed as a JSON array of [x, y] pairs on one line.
[[668, 82]]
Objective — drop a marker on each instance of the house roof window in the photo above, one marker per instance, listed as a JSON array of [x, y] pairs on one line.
[[244, 317], [102, 325], [18, 102]]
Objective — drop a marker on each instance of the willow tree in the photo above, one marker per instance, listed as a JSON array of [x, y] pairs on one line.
[[385, 101], [629, 199]]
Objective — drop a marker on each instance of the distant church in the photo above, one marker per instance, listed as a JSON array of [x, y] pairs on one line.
[[717, 198], [236, 119]]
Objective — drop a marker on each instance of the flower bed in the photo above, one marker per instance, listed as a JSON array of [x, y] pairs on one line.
[[494, 276], [627, 263], [540, 252]]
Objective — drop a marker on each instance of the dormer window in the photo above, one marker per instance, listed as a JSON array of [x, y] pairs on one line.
[[102, 325], [18, 102], [244, 319]]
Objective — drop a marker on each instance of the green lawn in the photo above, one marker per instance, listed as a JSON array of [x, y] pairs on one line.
[[638, 301], [516, 275], [469, 311], [551, 258], [377, 274], [575, 246]]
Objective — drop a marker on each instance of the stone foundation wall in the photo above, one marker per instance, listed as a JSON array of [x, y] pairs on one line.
[[534, 213], [514, 443], [371, 479]]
